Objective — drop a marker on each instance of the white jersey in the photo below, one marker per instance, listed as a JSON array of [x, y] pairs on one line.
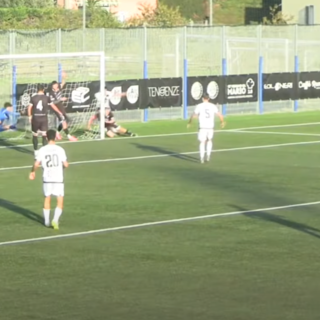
[[52, 157], [206, 113]]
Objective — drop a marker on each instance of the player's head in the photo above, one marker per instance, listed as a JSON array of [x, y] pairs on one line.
[[40, 88], [8, 106], [205, 97], [107, 110], [51, 135], [55, 85]]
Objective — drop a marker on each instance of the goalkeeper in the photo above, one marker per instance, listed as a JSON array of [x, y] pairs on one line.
[[56, 97], [6, 114]]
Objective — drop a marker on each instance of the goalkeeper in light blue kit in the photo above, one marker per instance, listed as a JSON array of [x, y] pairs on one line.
[[6, 114]]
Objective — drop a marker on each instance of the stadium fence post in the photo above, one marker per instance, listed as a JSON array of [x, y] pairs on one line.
[[145, 67], [59, 72], [102, 93], [224, 62], [260, 71], [185, 74], [14, 88], [296, 62]]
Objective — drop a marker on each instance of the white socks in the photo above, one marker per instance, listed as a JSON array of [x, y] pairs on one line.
[[209, 149], [46, 215], [202, 150]]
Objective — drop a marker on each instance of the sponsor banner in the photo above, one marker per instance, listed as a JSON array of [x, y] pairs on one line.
[[280, 86], [309, 85], [162, 92], [241, 88], [212, 85]]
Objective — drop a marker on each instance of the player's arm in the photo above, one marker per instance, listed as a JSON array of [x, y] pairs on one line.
[[91, 120], [30, 106], [222, 123], [56, 109], [35, 166], [63, 82]]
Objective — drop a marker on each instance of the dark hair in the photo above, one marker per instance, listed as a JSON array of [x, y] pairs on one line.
[[206, 96], [51, 135], [40, 87], [54, 82], [7, 105]]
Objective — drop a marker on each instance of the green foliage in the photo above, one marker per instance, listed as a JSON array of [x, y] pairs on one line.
[[276, 17], [100, 18], [26, 3], [162, 16]]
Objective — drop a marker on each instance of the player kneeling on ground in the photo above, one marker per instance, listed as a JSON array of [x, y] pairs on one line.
[[111, 127], [205, 112], [5, 114], [53, 160]]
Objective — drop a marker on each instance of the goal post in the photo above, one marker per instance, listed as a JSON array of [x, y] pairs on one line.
[[84, 91]]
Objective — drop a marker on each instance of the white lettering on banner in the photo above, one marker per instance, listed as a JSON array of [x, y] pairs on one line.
[[278, 86], [316, 84], [308, 84], [197, 91], [80, 95], [164, 91], [241, 90], [234, 90]]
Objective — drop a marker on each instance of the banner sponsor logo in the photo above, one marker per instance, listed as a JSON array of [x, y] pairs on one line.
[[309, 84], [133, 94], [278, 86], [165, 91], [241, 88], [80, 96], [213, 89]]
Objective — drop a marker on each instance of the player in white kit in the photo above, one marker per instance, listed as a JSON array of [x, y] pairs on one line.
[[205, 112], [53, 160]]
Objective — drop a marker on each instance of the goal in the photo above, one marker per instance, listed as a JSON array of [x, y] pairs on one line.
[[84, 90]]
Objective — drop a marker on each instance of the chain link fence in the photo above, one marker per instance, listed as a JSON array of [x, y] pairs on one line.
[[128, 51]]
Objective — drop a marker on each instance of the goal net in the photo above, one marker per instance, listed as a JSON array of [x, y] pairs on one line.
[[83, 92]]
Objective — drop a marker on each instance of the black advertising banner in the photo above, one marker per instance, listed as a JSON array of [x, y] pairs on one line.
[[161, 92], [212, 85], [309, 85], [280, 86], [241, 88]]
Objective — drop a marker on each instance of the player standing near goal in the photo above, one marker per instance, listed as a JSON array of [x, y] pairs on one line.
[[206, 112], [38, 110], [53, 160], [56, 96]]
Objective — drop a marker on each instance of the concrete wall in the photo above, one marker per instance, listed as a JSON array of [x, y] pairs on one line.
[[296, 8]]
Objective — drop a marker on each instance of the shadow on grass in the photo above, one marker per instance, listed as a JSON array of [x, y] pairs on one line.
[[164, 151], [19, 210], [9, 145], [269, 217]]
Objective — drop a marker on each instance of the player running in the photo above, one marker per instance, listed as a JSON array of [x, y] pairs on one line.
[[206, 112], [38, 110], [111, 127], [56, 96], [53, 160]]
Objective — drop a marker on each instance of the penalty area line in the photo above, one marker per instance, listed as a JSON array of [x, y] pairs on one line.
[[155, 223], [155, 156]]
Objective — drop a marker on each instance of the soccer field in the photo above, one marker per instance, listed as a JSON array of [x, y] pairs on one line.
[[149, 233]]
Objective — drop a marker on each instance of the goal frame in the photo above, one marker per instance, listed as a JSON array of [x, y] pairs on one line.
[[99, 54]]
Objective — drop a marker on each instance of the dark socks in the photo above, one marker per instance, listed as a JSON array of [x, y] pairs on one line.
[[35, 143], [44, 141], [66, 131]]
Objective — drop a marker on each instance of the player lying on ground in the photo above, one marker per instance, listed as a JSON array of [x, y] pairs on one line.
[[205, 112], [111, 127], [5, 113], [56, 97], [53, 160], [38, 110]]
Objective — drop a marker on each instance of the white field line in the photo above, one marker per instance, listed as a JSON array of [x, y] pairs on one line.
[[155, 223], [281, 133], [175, 154], [175, 134]]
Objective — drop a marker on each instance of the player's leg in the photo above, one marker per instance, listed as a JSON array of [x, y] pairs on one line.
[[209, 143], [44, 126], [35, 129], [47, 187], [125, 132], [202, 137], [59, 193], [63, 125], [110, 133]]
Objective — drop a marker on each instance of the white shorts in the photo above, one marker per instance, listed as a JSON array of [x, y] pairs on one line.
[[205, 134], [113, 129], [53, 189]]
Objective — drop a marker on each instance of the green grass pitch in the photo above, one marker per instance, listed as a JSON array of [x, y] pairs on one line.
[[262, 264]]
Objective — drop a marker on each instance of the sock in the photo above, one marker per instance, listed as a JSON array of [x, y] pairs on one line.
[[57, 214], [60, 127], [209, 148], [66, 131], [202, 149], [35, 143], [129, 133], [44, 141], [46, 215]]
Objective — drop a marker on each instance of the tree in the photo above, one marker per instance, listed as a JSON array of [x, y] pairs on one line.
[[161, 16], [26, 3], [276, 17]]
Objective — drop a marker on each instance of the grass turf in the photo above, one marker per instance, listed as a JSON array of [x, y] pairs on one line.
[[261, 265]]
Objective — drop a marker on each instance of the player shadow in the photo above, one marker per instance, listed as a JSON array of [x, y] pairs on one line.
[[19, 210], [269, 217], [5, 143], [163, 151]]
